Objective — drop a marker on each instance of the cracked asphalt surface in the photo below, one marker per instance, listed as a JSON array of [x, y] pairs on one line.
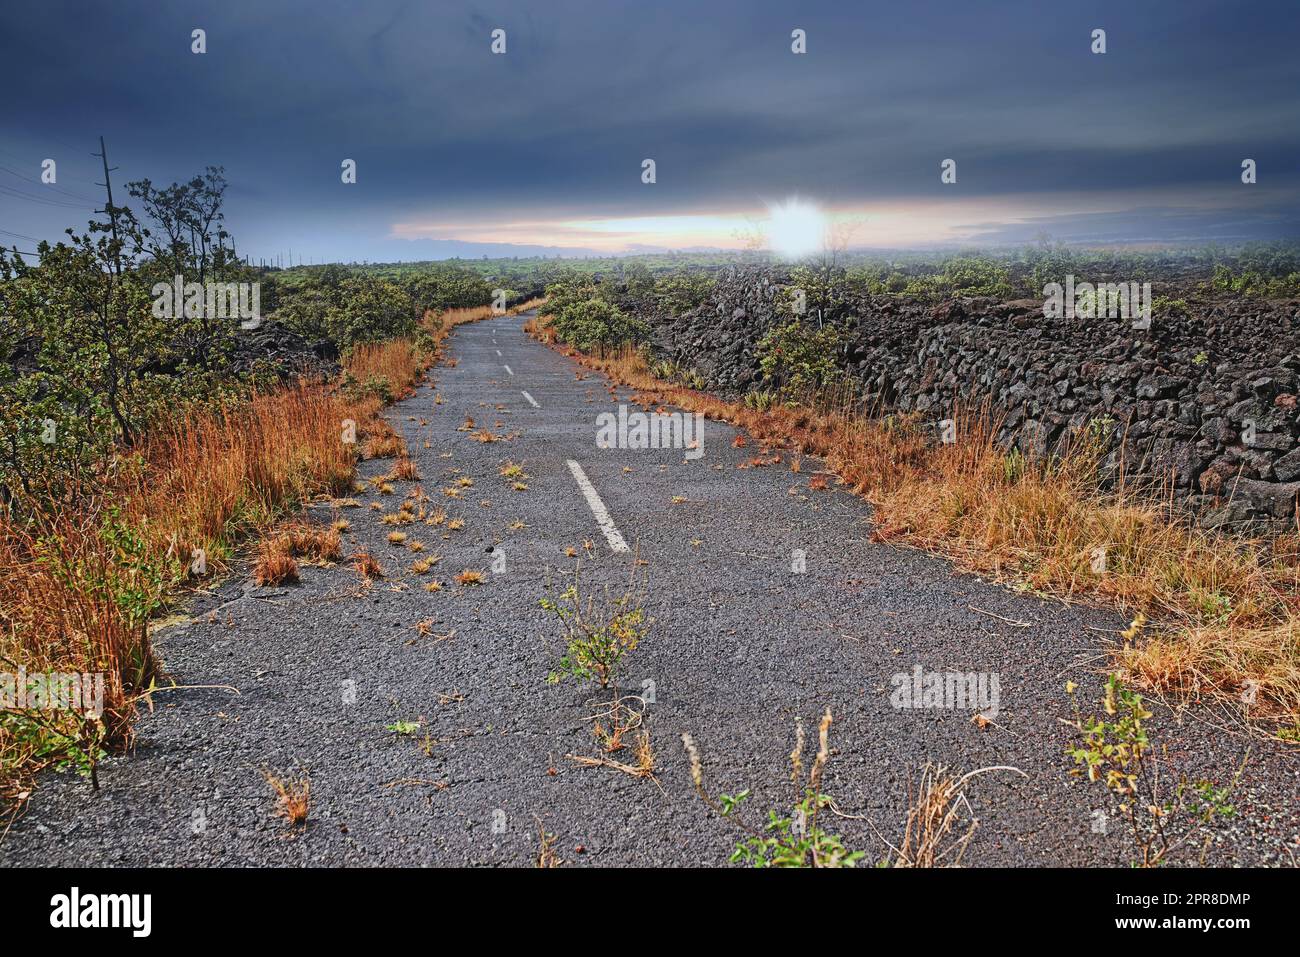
[[739, 646]]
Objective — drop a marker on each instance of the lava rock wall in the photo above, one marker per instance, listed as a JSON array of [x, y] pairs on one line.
[[1202, 403]]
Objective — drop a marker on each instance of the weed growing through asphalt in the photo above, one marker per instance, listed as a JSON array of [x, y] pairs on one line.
[[599, 630], [792, 841], [940, 822], [1115, 750], [293, 798], [367, 567], [546, 855]]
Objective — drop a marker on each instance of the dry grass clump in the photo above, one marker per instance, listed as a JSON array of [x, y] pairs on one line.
[[384, 443], [406, 470], [367, 566], [469, 577], [940, 821], [293, 798], [276, 554], [1225, 611], [540, 329], [274, 567]]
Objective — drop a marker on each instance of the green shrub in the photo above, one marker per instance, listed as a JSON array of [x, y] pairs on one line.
[[800, 360], [595, 324], [349, 309]]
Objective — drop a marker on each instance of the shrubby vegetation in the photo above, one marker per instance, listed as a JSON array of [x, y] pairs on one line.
[[132, 441], [84, 362], [348, 310], [800, 360], [594, 323], [583, 315], [86, 366]]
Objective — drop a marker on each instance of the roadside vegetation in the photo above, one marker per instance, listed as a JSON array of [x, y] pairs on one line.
[[1221, 613], [135, 459], [1160, 809]]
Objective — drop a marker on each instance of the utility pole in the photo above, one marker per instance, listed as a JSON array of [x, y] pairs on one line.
[[112, 212]]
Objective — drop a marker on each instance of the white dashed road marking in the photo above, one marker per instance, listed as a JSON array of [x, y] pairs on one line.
[[508, 369], [531, 401], [598, 508], [498, 352]]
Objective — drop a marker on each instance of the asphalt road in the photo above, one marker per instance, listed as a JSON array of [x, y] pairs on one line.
[[740, 644]]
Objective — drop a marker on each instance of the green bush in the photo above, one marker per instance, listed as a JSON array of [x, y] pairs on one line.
[[349, 309], [799, 360], [595, 324]]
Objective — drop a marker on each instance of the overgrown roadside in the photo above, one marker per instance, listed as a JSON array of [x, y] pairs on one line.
[[412, 708], [83, 581]]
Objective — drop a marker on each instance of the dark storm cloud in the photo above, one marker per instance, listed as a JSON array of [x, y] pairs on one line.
[[442, 129]]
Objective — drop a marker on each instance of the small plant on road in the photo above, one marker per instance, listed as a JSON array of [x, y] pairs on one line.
[[599, 631], [293, 797], [1115, 750], [794, 840], [940, 821]]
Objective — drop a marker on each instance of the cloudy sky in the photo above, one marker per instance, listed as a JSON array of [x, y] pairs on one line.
[[463, 151]]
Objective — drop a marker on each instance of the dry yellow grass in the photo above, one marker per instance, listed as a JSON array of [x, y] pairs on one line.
[[367, 566], [274, 567], [469, 577], [1224, 611], [78, 586], [406, 470], [397, 361]]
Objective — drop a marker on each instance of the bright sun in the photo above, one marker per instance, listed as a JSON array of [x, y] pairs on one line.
[[795, 229]]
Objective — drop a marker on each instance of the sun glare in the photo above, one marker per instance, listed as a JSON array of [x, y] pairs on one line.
[[795, 229]]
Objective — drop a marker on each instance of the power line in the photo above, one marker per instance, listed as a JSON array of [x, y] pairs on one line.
[[41, 200], [10, 232], [51, 186], [23, 160]]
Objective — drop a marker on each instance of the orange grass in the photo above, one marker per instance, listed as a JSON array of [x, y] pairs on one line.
[[397, 361], [1224, 610], [78, 586]]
